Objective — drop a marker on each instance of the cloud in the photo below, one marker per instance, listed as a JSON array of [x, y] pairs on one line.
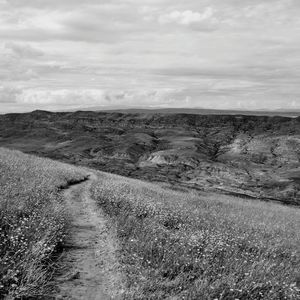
[[14, 64], [80, 98], [152, 52], [88, 21], [187, 17], [54, 4], [23, 50], [9, 94], [221, 95]]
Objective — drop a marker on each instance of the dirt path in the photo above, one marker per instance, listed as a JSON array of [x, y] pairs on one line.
[[90, 253]]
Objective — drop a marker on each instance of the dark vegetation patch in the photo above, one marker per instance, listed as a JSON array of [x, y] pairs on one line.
[[72, 181]]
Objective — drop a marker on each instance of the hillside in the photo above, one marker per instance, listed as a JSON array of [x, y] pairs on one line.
[[123, 238], [251, 156], [33, 222], [197, 245], [203, 111]]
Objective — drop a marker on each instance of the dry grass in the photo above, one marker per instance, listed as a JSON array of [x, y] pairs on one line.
[[32, 221], [187, 246], [174, 245]]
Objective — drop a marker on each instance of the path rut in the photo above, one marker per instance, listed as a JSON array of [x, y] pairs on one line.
[[90, 251]]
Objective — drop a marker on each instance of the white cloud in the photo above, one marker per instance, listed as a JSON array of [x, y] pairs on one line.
[[80, 98], [115, 52], [187, 17]]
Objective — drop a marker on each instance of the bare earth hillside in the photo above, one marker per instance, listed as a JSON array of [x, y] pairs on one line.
[[251, 156]]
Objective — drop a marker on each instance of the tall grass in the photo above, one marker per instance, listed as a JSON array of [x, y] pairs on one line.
[[188, 246], [32, 221]]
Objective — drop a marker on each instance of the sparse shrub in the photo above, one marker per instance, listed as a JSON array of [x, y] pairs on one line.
[[259, 158]]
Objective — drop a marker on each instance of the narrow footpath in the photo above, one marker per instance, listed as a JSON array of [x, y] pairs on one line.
[[90, 251]]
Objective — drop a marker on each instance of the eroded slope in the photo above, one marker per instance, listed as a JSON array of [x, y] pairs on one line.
[[255, 156]]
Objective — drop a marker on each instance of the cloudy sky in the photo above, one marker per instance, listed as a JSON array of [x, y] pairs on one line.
[[65, 54]]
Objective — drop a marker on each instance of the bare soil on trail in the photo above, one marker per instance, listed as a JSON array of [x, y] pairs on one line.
[[93, 271]]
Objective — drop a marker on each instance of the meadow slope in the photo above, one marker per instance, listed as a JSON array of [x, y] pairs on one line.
[[172, 244], [33, 221], [178, 245]]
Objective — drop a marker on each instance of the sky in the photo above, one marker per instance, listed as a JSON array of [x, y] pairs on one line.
[[222, 54]]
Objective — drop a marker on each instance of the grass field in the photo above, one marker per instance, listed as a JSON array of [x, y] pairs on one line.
[[173, 245], [189, 246], [32, 221]]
